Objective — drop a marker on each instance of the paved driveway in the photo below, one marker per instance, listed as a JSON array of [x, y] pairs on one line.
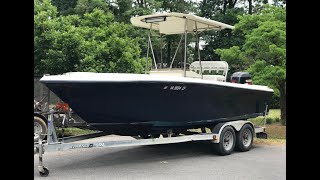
[[191, 160]]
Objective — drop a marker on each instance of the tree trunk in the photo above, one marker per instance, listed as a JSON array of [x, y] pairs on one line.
[[169, 52], [250, 6], [224, 7], [140, 3], [161, 44], [182, 53], [181, 8], [231, 4], [195, 56], [283, 106]]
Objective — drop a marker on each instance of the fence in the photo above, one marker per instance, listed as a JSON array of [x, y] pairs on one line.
[[41, 92]]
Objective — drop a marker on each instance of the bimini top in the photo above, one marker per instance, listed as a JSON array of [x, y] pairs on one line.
[[174, 23]]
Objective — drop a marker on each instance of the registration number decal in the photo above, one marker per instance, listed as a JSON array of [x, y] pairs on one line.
[[175, 88]]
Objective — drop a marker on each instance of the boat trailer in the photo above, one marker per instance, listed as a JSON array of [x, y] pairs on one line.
[[54, 144]]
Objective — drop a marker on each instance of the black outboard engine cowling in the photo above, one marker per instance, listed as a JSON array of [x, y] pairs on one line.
[[241, 78]]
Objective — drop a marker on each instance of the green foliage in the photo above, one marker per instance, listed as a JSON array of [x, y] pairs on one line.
[[263, 53], [87, 6], [235, 58], [266, 74], [275, 101], [170, 41], [273, 114], [64, 7], [44, 9], [56, 40], [221, 39], [267, 42], [97, 18], [269, 120], [91, 42], [181, 6], [123, 11], [44, 13], [95, 35]]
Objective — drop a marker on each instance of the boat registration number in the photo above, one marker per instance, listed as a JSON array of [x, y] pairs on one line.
[[175, 88]]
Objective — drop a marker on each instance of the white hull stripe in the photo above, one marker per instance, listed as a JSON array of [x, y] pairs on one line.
[[126, 77]]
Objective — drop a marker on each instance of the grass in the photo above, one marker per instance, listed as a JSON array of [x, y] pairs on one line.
[[273, 116], [276, 132], [73, 131], [276, 135], [280, 142]]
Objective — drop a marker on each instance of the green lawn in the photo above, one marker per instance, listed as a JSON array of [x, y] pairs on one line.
[[274, 115], [73, 131], [276, 132]]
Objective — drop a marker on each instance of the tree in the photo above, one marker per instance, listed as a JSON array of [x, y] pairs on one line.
[[87, 6], [90, 42], [107, 46], [64, 7], [226, 12], [180, 6], [44, 12], [122, 11], [264, 52]]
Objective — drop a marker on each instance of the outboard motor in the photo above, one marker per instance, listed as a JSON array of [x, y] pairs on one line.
[[241, 78]]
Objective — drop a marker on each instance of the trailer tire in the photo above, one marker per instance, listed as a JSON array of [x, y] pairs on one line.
[[227, 141], [45, 173], [244, 138], [40, 127]]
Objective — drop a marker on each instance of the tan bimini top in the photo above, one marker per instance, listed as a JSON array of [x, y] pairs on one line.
[[174, 23]]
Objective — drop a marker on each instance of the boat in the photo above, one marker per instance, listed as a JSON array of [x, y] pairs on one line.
[[160, 100]]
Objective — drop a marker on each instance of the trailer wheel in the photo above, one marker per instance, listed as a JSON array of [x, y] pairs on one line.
[[40, 127], [227, 141], [45, 173], [244, 138]]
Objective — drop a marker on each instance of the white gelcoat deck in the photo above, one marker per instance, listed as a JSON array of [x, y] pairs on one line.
[[126, 77]]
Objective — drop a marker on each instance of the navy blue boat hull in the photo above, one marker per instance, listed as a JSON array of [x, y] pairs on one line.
[[127, 108]]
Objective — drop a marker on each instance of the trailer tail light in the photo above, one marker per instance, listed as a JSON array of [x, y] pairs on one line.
[[63, 106], [214, 137]]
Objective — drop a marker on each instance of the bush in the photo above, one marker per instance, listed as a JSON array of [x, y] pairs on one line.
[[269, 120], [277, 119], [274, 102]]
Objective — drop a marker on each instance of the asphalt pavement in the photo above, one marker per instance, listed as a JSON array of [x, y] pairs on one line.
[[190, 160]]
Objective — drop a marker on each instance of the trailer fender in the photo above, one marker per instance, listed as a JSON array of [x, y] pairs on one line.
[[41, 116]]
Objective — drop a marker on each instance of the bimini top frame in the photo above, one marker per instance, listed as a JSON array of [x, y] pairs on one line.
[[174, 23], [177, 23]]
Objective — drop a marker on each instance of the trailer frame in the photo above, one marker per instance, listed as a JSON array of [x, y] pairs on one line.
[[54, 144]]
